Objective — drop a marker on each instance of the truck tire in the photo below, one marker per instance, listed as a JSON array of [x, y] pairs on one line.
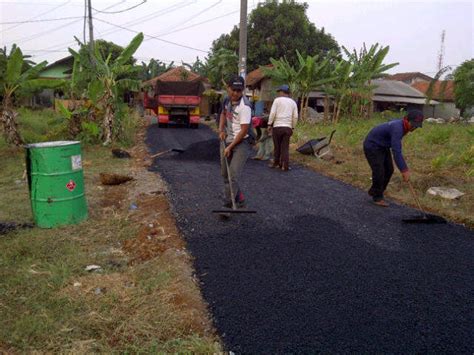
[[195, 125], [163, 125]]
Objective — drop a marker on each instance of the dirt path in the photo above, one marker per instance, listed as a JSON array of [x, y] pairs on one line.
[[318, 269]]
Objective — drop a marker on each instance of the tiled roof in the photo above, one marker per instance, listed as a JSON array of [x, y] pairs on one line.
[[448, 94], [255, 76], [408, 76]]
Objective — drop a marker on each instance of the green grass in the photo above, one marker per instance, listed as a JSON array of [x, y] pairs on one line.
[[437, 155], [41, 310]]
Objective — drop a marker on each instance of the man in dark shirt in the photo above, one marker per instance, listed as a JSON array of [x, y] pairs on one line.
[[377, 147]]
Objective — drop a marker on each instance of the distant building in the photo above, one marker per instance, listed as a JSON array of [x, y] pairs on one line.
[[410, 78], [443, 92], [60, 69], [397, 95]]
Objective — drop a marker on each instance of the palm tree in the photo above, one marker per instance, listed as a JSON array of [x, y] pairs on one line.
[[16, 79]]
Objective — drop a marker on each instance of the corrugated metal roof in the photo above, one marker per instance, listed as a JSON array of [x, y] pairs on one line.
[[395, 88], [401, 99]]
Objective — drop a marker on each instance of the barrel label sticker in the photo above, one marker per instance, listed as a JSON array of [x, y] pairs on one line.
[[71, 185], [76, 162]]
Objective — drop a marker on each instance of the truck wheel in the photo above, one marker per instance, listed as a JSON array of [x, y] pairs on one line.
[[195, 125], [163, 125]]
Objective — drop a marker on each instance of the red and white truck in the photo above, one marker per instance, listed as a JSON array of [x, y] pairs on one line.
[[175, 102]]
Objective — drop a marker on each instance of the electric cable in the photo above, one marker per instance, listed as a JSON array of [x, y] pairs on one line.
[[118, 12], [139, 20], [154, 37]]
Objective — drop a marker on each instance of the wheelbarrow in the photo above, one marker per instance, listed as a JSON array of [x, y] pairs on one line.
[[318, 147]]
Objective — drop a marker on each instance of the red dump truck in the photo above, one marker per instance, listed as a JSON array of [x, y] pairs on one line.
[[176, 102]]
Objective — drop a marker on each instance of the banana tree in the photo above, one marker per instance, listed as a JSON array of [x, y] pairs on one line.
[[221, 64], [282, 72], [367, 66], [111, 80], [312, 74], [16, 79]]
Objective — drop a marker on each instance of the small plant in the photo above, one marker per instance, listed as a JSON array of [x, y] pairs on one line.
[[90, 133], [441, 161]]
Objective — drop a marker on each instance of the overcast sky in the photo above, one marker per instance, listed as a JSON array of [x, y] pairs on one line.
[[188, 27]]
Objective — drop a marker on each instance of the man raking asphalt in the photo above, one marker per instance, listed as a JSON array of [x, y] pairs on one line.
[[235, 149]]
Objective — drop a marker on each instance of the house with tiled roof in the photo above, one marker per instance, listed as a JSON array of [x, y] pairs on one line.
[[443, 91], [410, 78], [259, 84]]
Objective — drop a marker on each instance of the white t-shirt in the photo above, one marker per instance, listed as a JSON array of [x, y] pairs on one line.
[[284, 112], [237, 115]]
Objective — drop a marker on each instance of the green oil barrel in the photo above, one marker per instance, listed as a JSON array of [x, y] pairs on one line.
[[56, 183]]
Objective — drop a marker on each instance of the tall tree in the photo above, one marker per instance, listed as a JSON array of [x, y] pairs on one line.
[[464, 85], [277, 30]]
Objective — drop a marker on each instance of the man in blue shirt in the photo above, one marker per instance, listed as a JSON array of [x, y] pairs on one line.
[[377, 145]]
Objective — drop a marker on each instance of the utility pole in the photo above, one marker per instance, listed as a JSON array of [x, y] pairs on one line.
[[91, 32], [243, 39]]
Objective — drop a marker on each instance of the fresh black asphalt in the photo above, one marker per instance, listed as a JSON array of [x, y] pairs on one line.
[[318, 269]]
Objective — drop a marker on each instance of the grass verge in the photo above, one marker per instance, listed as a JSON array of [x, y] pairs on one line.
[[144, 298]]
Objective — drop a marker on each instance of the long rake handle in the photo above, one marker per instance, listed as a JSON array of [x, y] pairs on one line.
[[415, 198], [234, 206]]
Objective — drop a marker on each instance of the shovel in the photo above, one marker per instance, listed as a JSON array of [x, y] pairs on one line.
[[425, 217], [166, 151], [225, 211]]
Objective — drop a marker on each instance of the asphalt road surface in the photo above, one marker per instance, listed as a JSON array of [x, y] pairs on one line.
[[318, 268]]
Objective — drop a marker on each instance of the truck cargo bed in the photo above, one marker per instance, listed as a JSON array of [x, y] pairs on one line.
[[178, 100]]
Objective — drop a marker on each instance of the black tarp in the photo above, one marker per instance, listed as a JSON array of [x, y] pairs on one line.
[[187, 88]]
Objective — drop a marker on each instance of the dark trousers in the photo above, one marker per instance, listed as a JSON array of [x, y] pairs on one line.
[[380, 161], [281, 142]]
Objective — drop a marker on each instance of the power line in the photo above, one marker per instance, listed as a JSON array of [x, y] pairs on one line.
[[139, 20], [199, 23], [40, 34], [154, 37], [152, 16], [43, 13], [44, 20], [194, 16], [118, 12]]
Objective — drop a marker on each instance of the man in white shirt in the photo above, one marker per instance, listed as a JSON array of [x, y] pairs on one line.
[[233, 130], [282, 121]]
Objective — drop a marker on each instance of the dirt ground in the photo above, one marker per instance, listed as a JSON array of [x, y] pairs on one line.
[[157, 246]]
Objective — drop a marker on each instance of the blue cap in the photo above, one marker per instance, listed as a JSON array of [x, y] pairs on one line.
[[285, 88]]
